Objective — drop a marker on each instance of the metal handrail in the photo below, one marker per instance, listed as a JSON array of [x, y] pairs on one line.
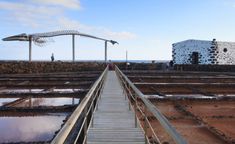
[[154, 110], [144, 115], [137, 108], [61, 137], [92, 108]]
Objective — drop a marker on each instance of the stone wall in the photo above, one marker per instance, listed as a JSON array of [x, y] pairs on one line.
[[182, 51], [14, 67], [209, 52], [226, 53], [20, 67], [207, 68], [142, 66]]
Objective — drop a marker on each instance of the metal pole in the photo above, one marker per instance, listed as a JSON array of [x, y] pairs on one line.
[[105, 51], [73, 45], [126, 59], [126, 56], [30, 49], [129, 103], [85, 125], [30, 102], [73, 101], [135, 110], [145, 125], [92, 111]]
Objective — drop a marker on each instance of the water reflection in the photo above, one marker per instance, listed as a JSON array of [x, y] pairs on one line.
[[20, 90], [67, 90], [4, 101], [29, 129], [33, 102], [195, 96], [40, 90]]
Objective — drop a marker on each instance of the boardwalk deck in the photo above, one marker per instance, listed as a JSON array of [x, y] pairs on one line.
[[113, 121]]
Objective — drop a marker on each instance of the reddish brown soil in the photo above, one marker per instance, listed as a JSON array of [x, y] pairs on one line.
[[208, 109], [224, 125], [194, 133], [217, 114]]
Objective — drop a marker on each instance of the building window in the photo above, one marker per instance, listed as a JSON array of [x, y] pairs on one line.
[[225, 50]]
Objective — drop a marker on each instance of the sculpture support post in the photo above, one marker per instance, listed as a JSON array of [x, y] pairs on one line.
[[73, 45], [30, 49], [105, 51], [126, 56]]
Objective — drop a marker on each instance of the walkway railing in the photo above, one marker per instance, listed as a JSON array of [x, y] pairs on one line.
[[134, 94], [81, 117]]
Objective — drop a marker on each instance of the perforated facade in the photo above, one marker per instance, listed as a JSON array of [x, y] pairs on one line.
[[203, 52]]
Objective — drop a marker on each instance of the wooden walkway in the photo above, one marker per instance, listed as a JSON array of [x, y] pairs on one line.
[[114, 123]]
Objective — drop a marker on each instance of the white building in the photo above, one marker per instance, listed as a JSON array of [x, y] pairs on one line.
[[204, 52]]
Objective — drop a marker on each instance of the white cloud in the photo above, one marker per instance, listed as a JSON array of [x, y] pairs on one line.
[[28, 8], [229, 3], [66, 23], [28, 14], [47, 16], [10, 5], [73, 4], [120, 35]]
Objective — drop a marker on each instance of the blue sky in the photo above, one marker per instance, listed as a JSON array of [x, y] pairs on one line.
[[146, 29]]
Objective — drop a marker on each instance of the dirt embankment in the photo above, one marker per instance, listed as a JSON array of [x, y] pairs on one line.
[[23, 67], [208, 68]]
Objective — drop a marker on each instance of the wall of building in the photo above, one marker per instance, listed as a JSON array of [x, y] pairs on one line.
[[210, 52], [182, 51], [226, 53]]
